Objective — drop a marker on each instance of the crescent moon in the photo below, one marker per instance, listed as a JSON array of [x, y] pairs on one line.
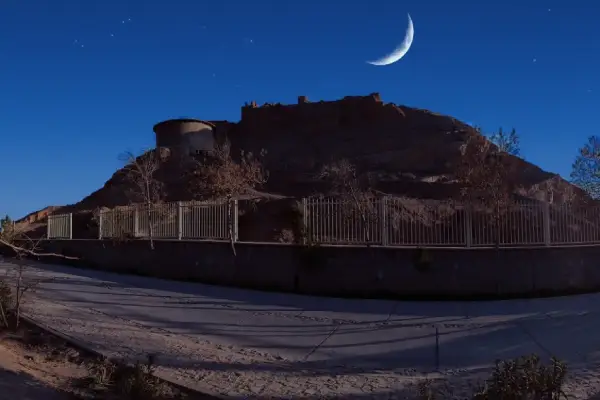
[[400, 50]]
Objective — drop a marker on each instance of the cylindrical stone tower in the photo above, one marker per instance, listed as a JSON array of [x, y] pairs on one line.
[[185, 137]]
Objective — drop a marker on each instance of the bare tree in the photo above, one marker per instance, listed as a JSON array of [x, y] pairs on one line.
[[486, 177], [16, 241], [585, 172], [144, 187], [219, 176], [507, 142], [354, 191]]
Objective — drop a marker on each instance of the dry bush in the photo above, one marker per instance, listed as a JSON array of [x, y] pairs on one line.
[[219, 176], [139, 383], [507, 142], [486, 176], [522, 378], [355, 193], [417, 211], [525, 378], [140, 172], [286, 236], [15, 284], [136, 382]]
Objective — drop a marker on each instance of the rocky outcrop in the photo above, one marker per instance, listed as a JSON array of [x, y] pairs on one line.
[[412, 151]]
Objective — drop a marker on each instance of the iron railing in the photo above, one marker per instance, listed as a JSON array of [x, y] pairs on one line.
[[60, 226], [179, 220], [386, 221], [390, 221]]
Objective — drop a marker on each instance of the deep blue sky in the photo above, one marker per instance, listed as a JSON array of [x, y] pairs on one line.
[[66, 111]]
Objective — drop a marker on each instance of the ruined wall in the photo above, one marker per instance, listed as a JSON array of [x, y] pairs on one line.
[[373, 135], [327, 112]]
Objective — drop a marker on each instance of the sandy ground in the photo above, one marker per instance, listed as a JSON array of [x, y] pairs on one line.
[[120, 319], [28, 375], [37, 364]]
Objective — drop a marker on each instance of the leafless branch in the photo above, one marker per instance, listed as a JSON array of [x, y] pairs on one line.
[[486, 176], [219, 176], [27, 247], [140, 172], [19, 249], [354, 191], [16, 239], [507, 142]]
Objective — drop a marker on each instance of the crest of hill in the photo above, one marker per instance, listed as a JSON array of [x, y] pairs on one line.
[[412, 151]]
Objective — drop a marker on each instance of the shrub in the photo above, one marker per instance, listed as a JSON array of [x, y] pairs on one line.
[[523, 378], [139, 383], [6, 302], [286, 236], [6, 296]]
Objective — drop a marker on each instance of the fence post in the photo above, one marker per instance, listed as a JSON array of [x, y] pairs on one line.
[[468, 226], [546, 223], [179, 220], [136, 221], [383, 220], [235, 221], [49, 227], [70, 226], [100, 219], [305, 220]]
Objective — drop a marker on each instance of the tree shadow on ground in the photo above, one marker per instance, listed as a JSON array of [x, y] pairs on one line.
[[18, 385], [205, 294]]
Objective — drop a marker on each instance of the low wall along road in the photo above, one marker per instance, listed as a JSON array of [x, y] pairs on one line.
[[351, 271]]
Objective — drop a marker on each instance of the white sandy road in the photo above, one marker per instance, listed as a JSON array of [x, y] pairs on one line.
[[242, 343]]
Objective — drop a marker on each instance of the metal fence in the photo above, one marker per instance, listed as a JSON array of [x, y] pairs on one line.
[[189, 220], [392, 221], [60, 226]]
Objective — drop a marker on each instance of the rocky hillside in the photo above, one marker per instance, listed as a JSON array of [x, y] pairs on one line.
[[411, 151]]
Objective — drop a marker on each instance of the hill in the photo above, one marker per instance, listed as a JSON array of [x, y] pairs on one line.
[[412, 152]]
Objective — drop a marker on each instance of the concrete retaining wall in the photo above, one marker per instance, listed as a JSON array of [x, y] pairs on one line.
[[351, 271]]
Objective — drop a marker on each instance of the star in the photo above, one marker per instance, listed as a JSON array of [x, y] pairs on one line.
[[112, 35], [535, 60], [123, 22]]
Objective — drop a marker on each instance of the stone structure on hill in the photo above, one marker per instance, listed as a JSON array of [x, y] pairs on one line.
[[383, 138], [184, 137], [373, 135]]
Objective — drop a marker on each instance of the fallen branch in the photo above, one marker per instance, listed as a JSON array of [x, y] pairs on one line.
[[19, 249]]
